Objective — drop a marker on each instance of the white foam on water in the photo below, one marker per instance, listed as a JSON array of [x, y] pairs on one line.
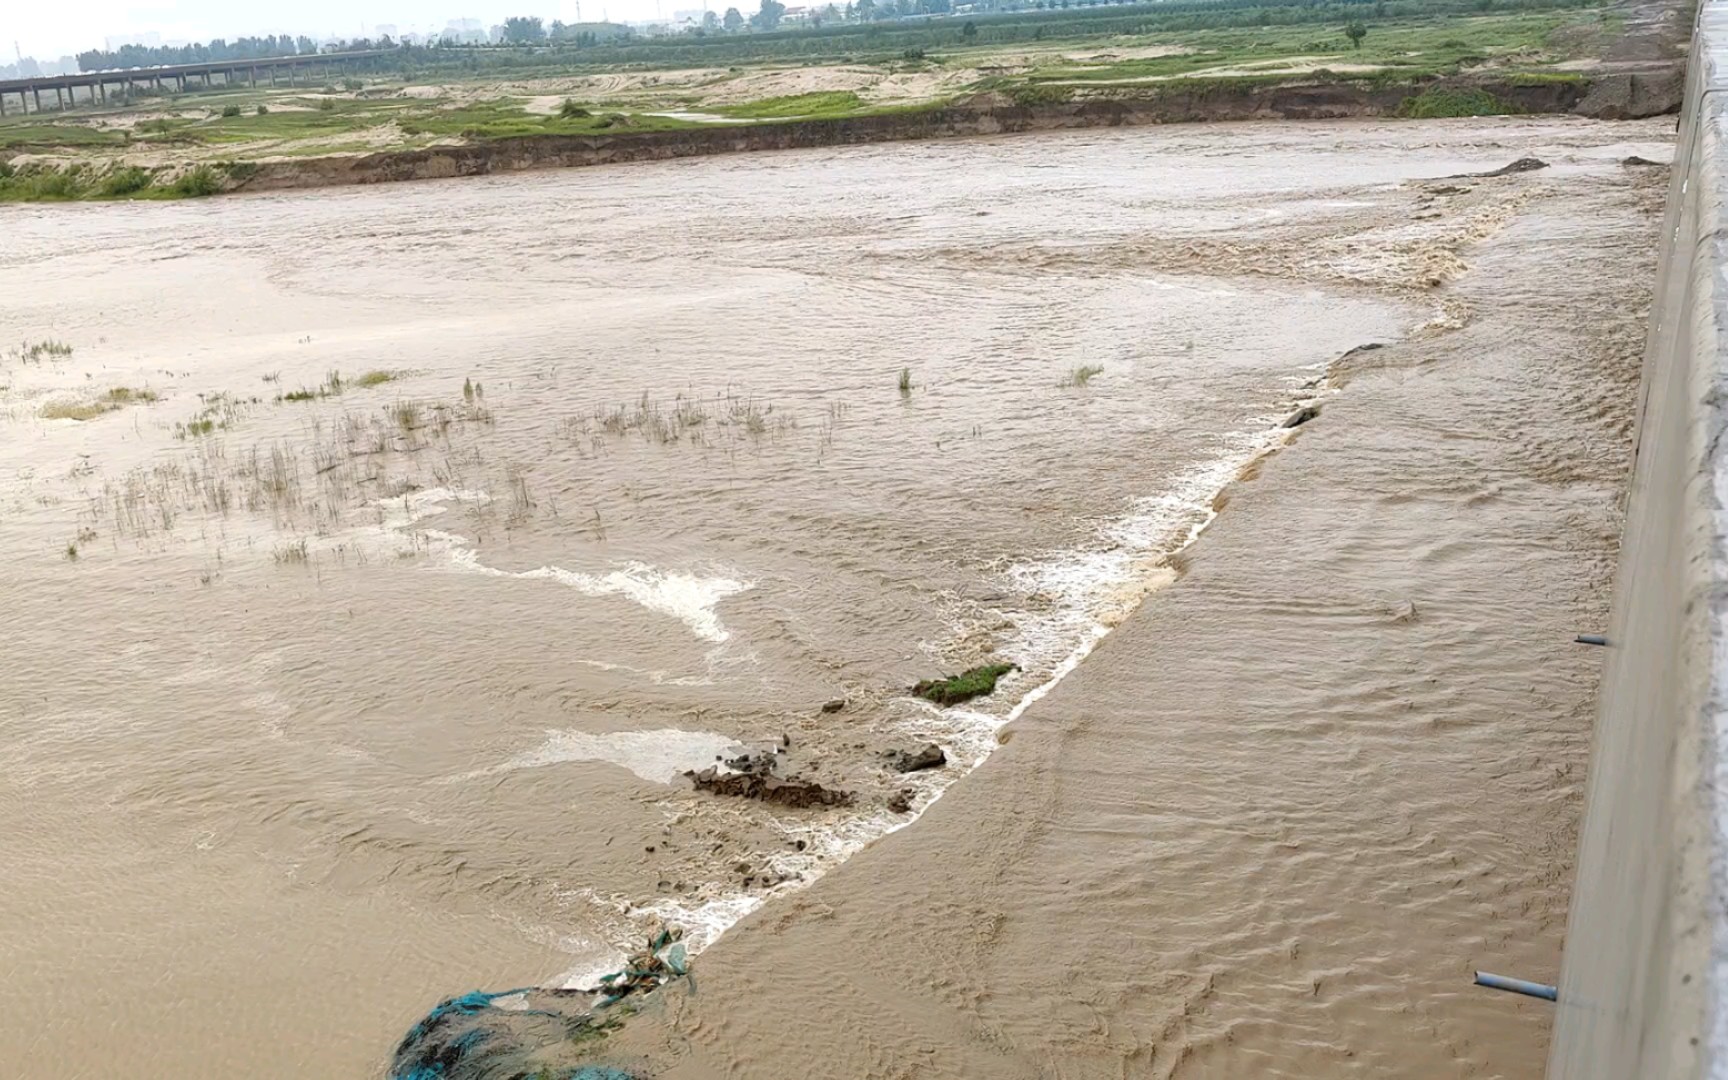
[[658, 756], [1090, 589], [702, 923], [688, 598]]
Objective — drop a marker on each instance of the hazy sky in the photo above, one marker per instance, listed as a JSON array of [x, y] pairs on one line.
[[48, 30]]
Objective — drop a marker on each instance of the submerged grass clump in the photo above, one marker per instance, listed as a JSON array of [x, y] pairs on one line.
[[34, 352], [975, 682], [126, 395], [332, 386], [290, 554], [706, 421], [406, 414], [76, 410], [219, 412], [905, 382], [376, 377]]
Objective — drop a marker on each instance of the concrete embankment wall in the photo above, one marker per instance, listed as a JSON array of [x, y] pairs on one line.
[[1613, 96], [1645, 971]]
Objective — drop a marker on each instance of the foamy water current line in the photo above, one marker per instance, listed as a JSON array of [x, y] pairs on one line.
[[1133, 553]]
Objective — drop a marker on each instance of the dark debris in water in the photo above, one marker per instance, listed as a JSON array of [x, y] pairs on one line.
[[757, 777]]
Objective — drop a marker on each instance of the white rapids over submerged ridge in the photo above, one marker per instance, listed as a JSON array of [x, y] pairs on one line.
[[689, 598], [1096, 587]]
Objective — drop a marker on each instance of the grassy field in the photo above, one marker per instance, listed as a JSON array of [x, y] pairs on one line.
[[175, 146]]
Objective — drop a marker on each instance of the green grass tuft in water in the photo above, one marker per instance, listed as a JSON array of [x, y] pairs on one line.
[[975, 682]]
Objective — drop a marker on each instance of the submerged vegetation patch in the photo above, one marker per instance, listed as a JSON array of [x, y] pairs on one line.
[[76, 410], [126, 395], [219, 412], [707, 421], [377, 377], [972, 683], [34, 352]]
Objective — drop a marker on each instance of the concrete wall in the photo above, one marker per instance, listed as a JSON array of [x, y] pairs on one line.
[[1646, 961]]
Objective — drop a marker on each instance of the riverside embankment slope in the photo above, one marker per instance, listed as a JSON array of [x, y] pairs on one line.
[[1615, 94], [1646, 966]]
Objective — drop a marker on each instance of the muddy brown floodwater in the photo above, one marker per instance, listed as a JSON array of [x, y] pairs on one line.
[[328, 695]]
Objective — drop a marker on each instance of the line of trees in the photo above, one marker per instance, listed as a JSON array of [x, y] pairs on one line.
[[873, 27], [246, 48]]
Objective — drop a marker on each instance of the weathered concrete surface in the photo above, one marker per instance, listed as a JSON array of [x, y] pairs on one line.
[[1646, 959]]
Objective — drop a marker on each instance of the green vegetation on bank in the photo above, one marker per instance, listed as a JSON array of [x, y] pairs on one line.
[[82, 180], [1437, 103], [822, 103], [885, 40], [208, 141], [505, 119], [1394, 49]]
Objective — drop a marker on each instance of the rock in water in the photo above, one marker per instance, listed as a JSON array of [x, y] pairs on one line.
[[1523, 164], [930, 757], [755, 778]]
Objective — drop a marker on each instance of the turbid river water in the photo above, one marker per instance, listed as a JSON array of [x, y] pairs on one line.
[[326, 696]]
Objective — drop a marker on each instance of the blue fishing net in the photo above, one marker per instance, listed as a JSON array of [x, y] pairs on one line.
[[534, 1034], [509, 1035]]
